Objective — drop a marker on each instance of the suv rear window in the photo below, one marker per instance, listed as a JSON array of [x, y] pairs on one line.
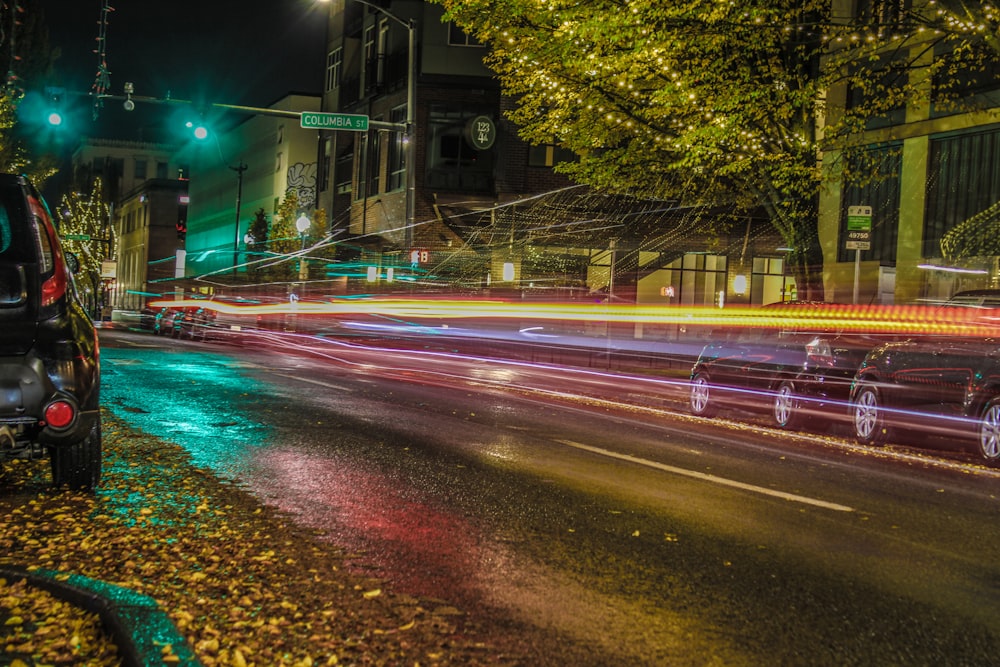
[[15, 240]]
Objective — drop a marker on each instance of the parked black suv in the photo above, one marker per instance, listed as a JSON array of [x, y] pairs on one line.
[[49, 361]]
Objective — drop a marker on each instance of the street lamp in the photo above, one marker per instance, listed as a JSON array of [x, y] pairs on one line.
[[302, 224]]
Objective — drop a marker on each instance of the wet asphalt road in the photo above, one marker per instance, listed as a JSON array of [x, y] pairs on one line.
[[604, 535]]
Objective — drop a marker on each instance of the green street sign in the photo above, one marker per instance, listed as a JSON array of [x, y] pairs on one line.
[[315, 120], [76, 237], [859, 218]]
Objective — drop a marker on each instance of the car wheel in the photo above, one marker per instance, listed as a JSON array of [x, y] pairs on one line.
[[701, 396], [786, 408], [989, 431], [869, 416], [78, 465]]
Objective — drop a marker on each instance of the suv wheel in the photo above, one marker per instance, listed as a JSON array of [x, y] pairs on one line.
[[78, 465], [701, 396], [786, 407], [869, 416], [989, 432]]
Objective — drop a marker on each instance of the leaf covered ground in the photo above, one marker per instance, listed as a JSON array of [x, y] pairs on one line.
[[243, 583]]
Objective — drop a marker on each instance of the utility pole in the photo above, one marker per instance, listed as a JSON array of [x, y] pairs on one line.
[[239, 169]]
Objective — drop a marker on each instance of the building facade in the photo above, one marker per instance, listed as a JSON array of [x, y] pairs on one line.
[[241, 170], [934, 204], [149, 228], [145, 185], [123, 165], [466, 158]]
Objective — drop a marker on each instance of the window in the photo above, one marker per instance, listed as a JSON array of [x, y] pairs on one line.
[[277, 163], [324, 176], [140, 169], [702, 278], [882, 12], [342, 178], [369, 165], [371, 70], [768, 282], [397, 151], [882, 193], [968, 77], [334, 65], [380, 51], [452, 163], [875, 93], [162, 169], [458, 37], [963, 181], [375, 162], [549, 155]]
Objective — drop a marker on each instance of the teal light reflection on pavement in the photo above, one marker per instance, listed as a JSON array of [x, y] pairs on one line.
[[216, 424]]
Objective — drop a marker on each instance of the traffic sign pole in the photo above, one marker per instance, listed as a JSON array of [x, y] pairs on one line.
[[859, 230]]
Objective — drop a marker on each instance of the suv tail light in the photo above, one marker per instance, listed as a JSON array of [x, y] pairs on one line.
[[54, 287], [60, 413], [818, 351]]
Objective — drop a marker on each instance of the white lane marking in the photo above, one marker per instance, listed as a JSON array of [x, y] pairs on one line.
[[714, 479], [321, 383]]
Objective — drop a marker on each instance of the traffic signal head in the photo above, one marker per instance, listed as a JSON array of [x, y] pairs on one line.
[[54, 105], [198, 130]]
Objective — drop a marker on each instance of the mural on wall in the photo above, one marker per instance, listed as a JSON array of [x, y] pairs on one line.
[[302, 180]]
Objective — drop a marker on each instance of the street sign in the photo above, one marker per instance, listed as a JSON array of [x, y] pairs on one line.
[[76, 237], [315, 120], [859, 218]]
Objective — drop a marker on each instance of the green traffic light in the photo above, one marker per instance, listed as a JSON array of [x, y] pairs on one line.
[[55, 118], [199, 131]]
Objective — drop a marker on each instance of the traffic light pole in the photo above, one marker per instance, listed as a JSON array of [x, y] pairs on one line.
[[237, 108]]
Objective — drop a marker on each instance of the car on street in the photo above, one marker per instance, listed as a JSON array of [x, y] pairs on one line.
[[49, 356], [931, 385], [975, 298], [163, 321], [193, 323], [801, 377]]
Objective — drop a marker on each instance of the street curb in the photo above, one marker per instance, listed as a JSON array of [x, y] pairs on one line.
[[135, 622]]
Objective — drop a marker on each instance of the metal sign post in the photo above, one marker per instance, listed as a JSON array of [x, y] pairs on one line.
[[859, 234]]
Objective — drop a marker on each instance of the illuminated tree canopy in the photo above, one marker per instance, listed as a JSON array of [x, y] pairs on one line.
[[710, 103]]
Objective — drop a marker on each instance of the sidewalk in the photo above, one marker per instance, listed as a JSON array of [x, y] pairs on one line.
[[237, 580]]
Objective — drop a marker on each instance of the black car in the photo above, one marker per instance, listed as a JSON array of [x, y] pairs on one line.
[[974, 298], [801, 377], [193, 323], [940, 386], [49, 362]]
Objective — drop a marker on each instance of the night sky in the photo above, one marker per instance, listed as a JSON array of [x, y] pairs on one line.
[[223, 51]]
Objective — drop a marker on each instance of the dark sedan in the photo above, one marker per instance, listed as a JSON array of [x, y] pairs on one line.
[[931, 386], [802, 378]]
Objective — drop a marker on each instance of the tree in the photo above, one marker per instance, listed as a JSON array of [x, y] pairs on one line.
[[85, 225], [26, 63], [284, 237], [712, 103], [87, 217]]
